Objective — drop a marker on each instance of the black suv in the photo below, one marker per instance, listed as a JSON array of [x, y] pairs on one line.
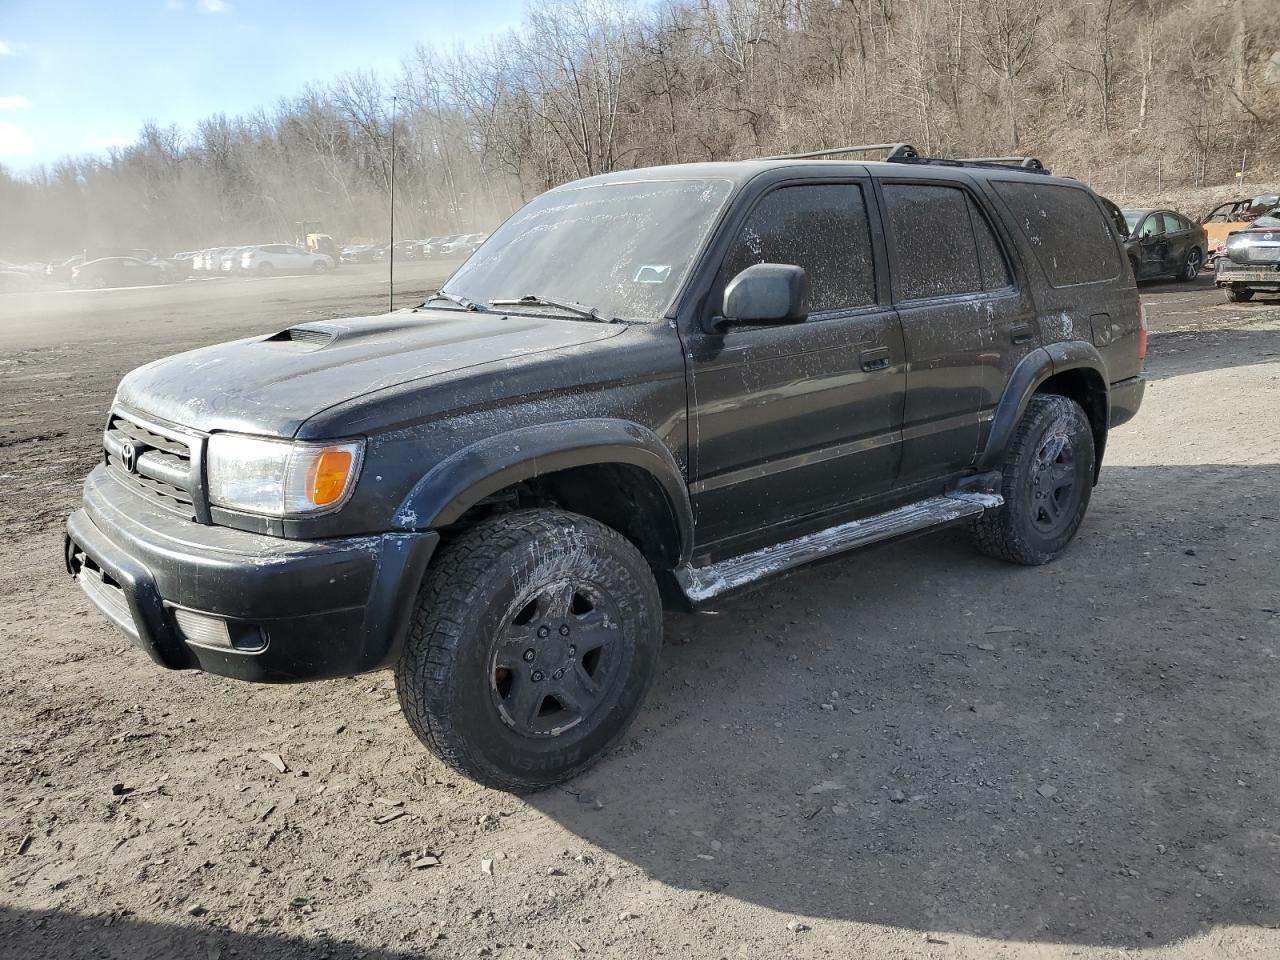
[[648, 387]]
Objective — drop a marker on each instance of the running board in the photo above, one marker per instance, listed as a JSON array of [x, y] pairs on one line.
[[701, 584]]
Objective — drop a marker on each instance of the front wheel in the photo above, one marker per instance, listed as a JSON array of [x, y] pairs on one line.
[[534, 640], [1191, 267], [1239, 295], [319, 267], [1047, 481]]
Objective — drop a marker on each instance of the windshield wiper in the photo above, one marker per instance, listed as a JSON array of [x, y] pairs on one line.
[[472, 305], [588, 313]]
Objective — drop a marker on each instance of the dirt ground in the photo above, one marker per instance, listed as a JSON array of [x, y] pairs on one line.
[[908, 752]]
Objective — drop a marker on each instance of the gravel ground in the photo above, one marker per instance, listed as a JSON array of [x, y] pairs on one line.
[[908, 752]]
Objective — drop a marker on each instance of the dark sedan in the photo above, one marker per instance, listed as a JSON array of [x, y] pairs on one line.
[[1162, 243], [120, 272]]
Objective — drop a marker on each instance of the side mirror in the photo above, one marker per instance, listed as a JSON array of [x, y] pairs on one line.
[[767, 293]]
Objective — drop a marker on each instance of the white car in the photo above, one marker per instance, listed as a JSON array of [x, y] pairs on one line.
[[282, 258], [464, 245]]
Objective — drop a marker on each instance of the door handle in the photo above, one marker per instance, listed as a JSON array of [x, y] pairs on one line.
[[877, 358], [1021, 333]]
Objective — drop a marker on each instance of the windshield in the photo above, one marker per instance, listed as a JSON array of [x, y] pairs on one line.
[[622, 248]]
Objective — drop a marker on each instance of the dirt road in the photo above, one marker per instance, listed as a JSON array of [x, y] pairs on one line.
[[909, 752]]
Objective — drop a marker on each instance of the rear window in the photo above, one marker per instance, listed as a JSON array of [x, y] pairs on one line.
[[1065, 228]]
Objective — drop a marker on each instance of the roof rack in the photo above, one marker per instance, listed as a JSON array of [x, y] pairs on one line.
[[906, 153], [893, 151]]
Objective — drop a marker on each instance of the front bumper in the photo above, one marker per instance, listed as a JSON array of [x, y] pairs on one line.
[[325, 608]]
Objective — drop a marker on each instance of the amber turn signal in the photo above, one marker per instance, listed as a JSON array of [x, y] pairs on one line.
[[327, 478]]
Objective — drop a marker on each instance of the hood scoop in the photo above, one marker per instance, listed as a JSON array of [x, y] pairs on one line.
[[311, 338]]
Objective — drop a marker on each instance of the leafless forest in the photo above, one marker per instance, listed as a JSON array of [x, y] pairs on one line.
[[1118, 92]]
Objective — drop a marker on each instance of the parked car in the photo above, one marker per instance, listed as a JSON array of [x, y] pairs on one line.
[[464, 245], [435, 245], [719, 372], [281, 258], [1250, 260], [1163, 243], [59, 271], [182, 264], [1233, 215], [359, 253], [212, 261], [404, 250], [120, 272]]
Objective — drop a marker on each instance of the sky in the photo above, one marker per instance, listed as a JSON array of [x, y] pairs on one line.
[[80, 78]]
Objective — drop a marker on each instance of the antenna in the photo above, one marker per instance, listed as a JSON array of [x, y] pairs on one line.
[[391, 241]]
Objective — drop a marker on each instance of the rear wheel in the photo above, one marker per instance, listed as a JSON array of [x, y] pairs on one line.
[[1239, 295], [1047, 481], [1191, 268], [265, 269], [535, 638], [319, 267]]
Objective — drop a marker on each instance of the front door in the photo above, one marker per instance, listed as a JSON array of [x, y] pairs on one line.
[[787, 421], [1153, 247]]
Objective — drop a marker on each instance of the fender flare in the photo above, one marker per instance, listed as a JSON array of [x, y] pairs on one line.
[[476, 471], [1033, 370]]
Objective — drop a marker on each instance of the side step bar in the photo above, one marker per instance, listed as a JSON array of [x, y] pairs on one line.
[[701, 584]]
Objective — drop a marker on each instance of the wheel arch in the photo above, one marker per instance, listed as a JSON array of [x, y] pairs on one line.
[[614, 471], [1071, 368]]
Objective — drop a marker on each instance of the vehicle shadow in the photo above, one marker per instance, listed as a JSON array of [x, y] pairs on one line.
[[71, 936], [923, 738], [1180, 352]]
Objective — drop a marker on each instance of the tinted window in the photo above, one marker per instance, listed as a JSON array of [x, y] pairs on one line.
[[995, 269], [1065, 228], [1151, 226], [934, 247], [822, 228], [1173, 223]]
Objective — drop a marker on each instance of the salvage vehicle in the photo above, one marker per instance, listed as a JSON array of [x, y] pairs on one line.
[[1231, 216], [1164, 243], [1250, 260], [652, 387]]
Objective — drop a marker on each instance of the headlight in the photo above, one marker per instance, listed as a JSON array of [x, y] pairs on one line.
[[281, 477]]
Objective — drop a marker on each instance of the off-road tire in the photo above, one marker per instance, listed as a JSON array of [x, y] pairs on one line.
[[1020, 531], [462, 624], [1236, 295]]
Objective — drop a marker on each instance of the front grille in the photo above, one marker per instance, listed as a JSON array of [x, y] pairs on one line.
[[158, 464]]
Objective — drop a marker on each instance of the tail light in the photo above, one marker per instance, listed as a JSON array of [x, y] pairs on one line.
[[1222, 245], [1142, 330]]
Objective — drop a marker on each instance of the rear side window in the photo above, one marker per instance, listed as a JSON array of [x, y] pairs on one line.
[[935, 253], [1065, 228], [1173, 223], [995, 269], [821, 227]]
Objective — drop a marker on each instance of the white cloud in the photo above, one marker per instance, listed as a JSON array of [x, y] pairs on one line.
[[6, 49], [215, 6], [16, 102], [14, 141]]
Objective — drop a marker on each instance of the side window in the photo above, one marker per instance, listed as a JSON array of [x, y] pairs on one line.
[[995, 268], [1151, 226], [933, 240], [1065, 229], [1172, 223], [821, 227]]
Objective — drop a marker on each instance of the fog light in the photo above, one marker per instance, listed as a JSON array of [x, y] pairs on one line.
[[204, 630]]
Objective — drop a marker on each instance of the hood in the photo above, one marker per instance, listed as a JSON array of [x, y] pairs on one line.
[[272, 385]]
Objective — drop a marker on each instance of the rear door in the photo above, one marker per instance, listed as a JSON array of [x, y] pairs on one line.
[[791, 420], [965, 323]]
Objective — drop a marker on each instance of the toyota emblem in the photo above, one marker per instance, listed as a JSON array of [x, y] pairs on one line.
[[129, 456]]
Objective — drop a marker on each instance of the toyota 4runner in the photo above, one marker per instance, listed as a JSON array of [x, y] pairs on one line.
[[650, 387]]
